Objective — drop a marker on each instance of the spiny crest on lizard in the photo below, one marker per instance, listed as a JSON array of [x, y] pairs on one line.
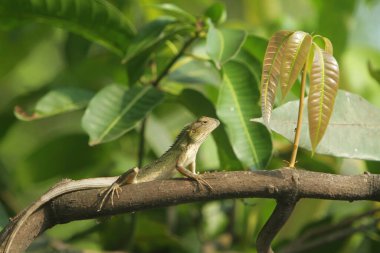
[[196, 131]]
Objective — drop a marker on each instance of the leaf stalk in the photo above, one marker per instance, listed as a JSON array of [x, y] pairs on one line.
[[299, 120]]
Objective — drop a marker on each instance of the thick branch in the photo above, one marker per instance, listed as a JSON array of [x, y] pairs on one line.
[[261, 184]]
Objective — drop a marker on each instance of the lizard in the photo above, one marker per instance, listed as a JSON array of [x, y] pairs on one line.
[[178, 157]]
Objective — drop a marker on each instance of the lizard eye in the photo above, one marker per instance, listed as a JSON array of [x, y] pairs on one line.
[[204, 122]]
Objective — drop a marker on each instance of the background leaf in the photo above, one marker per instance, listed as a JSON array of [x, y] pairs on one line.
[[294, 57], [271, 72], [224, 44], [96, 20], [217, 13], [236, 105], [114, 110], [324, 81], [353, 131], [57, 101]]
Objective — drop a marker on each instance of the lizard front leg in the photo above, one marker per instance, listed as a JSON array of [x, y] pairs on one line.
[[128, 177], [191, 174]]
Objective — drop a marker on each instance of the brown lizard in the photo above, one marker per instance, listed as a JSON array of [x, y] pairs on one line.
[[180, 155]]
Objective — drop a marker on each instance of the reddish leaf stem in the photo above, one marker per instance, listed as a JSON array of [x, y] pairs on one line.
[[299, 120]]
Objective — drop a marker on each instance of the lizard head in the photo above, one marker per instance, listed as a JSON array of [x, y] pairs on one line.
[[200, 129]]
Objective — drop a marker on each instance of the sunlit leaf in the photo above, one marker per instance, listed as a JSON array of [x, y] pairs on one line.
[[295, 54], [271, 72], [236, 105], [324, 43], [96, 20], [353, 131], [57, 101], [224, 44], [199, 105], [114, 110], [217, 13], [175, 11], [324, 81]]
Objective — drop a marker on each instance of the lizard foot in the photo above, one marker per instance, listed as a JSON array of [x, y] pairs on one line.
[[202, 182], [110, 192]]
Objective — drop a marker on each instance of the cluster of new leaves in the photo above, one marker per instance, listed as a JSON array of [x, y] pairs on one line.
[[177, 48], [287, 54]]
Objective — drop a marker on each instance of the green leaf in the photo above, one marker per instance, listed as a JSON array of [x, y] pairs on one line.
[[96, 20], [199, 105], [57, 101], [217, 13], [177, 12], [271, 72], [295, 55], [256, 46], [375, 73], [114, 110], [324, 81], [223, 44], [237, 103], [353, 131], [188, 70], [149, 38]]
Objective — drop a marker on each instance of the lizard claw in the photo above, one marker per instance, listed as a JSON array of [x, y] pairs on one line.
[[112, 190], [202, 182]]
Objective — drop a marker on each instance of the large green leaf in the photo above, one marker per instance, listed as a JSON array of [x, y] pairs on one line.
[[114, 110], [237, 103], [57, 101], [324, 81], [256, 46], [96, 20], [294, 57], [353, 131], [271, 72], [201, 106], [223, 44]]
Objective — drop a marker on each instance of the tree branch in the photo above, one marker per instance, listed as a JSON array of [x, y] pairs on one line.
[[240, 184]]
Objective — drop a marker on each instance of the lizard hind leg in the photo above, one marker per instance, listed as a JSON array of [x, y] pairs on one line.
[[128, 177]]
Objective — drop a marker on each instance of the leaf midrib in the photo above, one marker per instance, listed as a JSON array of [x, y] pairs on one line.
[[246, 131], [123, 112]]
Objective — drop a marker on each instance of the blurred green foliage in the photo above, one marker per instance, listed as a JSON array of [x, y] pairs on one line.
[[49, 54]]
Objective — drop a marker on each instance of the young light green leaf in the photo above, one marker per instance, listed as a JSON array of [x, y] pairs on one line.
[[236, 105], [199, 105], [271, 72], [295, 54], [96, 20], [324, 81], [353, 131], [177, 12], [114, 110], [223, 44], [217, 13], [57, 101]]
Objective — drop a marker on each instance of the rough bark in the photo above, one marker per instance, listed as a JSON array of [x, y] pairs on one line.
[[277, 184]]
